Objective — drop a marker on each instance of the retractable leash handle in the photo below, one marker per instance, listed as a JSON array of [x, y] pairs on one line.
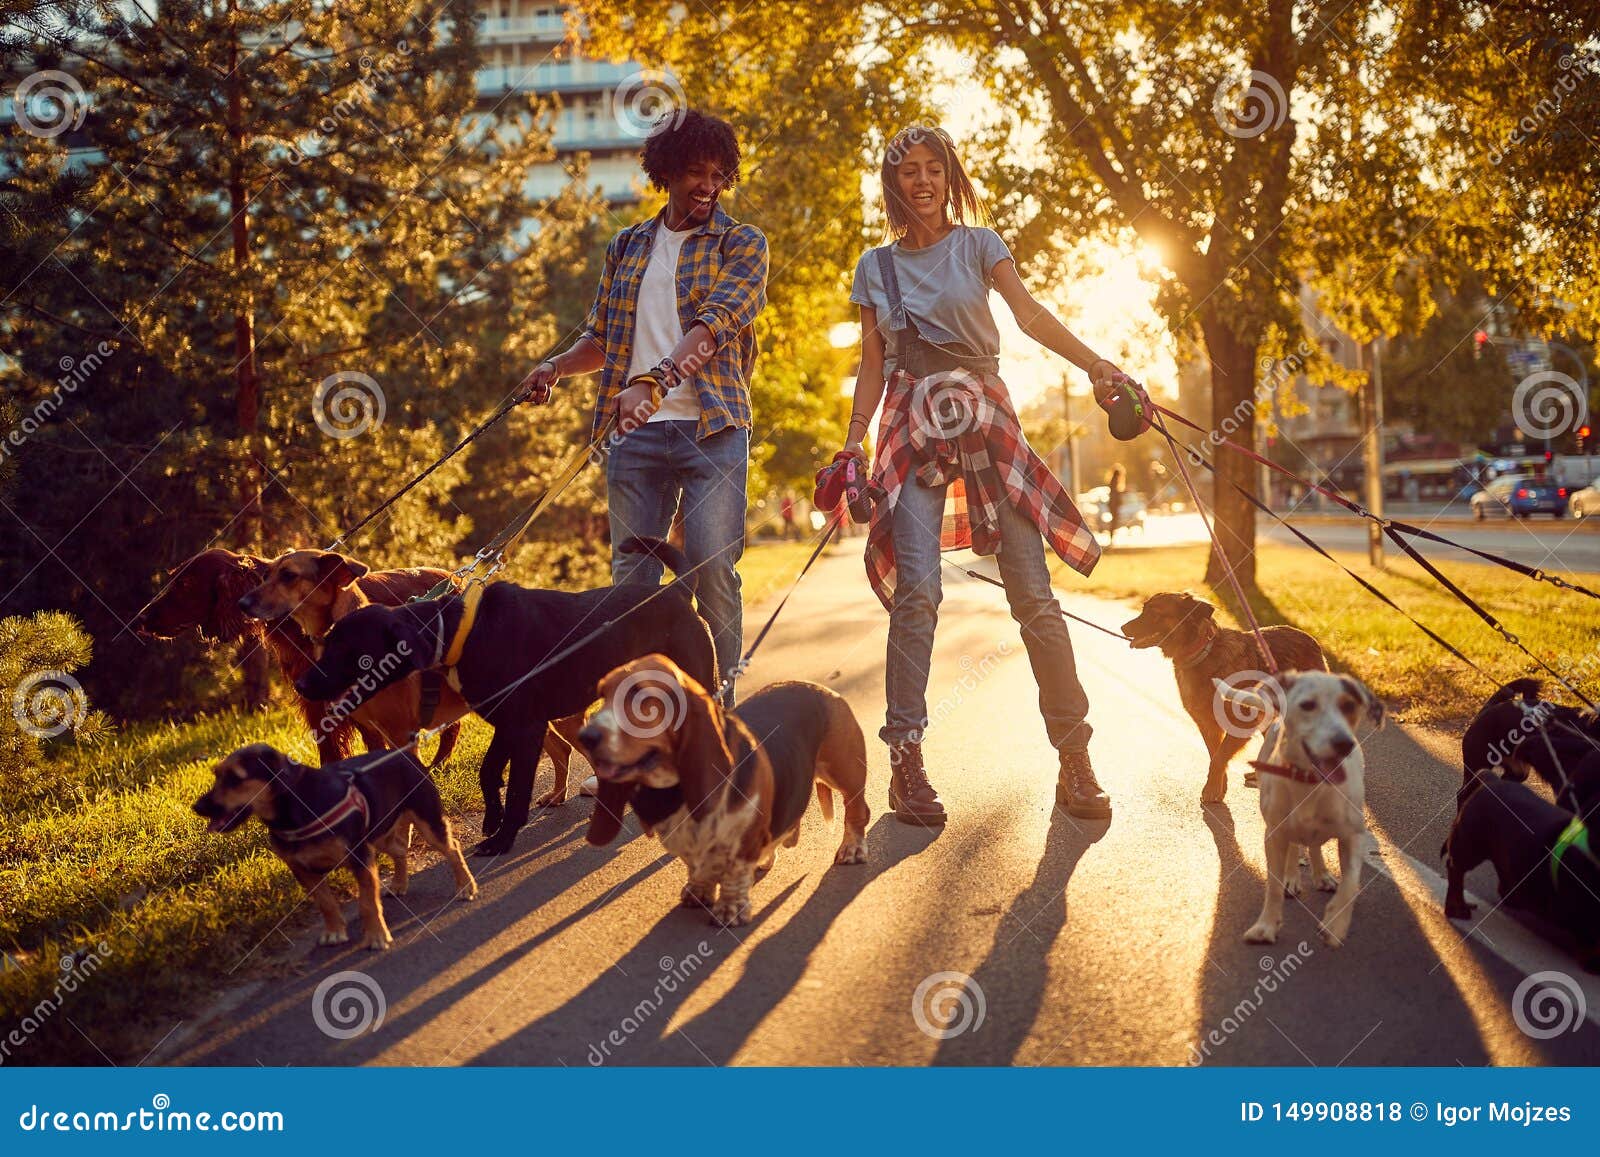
[[1128, 408], [844, 480]]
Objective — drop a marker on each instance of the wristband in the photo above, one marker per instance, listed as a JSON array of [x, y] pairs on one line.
[[668, 372]]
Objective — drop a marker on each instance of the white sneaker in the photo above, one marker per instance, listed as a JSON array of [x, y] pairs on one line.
[[590, 786]]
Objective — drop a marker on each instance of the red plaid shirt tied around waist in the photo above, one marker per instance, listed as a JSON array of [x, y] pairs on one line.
[[958, 428]]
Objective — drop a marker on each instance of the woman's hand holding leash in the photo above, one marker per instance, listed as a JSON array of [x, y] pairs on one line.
[[537, 386]]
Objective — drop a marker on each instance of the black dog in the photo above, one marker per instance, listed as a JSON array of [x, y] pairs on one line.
[[1541, 853], [339, 815], [503, 672], [1516, 731]]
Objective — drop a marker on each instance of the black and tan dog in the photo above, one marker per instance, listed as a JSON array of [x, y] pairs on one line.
[[722, 789], [1542, 854], [337, 816], [529, 657], [1516, 731]]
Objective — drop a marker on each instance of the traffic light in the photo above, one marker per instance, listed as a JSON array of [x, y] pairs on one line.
[[1479, 340], [1583, 438]]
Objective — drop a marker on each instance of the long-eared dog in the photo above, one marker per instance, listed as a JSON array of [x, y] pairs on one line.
[[1185, 630], [531, 657], [204, 593], [723, 789], [340, 815], [1543, 856], [1313, 789]]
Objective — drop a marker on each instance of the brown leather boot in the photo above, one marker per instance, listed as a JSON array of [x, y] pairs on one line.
[[1078, 791], [911, 796]]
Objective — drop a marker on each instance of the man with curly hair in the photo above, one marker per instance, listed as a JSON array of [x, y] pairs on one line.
[[672, 333]]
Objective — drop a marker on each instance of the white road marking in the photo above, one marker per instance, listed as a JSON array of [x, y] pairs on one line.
[[1500, 933]]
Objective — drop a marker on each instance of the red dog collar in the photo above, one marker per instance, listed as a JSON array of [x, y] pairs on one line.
[[1299, 774]]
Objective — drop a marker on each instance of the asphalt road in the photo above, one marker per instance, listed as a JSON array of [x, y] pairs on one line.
[[1044, 940]]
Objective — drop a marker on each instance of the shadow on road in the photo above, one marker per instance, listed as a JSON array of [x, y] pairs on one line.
[[1014, 977]]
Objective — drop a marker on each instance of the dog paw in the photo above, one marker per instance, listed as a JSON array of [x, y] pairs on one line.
[[698, 895], [1461, 911], [339, 937], [555, 797], [1261, 933], [394, 889], [851, 852], [1292, 885], [468, 891], [1329, 937], [1214, 792], [492, 820], [1327, 882], [1252, 778], [730, 913], [380, 943]]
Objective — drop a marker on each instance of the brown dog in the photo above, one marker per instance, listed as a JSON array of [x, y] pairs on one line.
[[723, 790], [206, 592], [1185, 630], [316, 588]]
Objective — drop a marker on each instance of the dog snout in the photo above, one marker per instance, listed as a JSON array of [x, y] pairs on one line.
[[1343, 746], [591, 736]]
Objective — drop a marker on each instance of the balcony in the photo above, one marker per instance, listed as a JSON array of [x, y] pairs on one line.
[[554, 76], [500, 29]]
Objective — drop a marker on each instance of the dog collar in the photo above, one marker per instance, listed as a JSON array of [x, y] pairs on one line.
[[1200, 653], [1575, 835], [353, 803], [448, 657], [1299, 774]]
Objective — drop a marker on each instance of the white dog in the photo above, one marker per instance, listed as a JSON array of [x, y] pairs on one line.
[[1312, 791]]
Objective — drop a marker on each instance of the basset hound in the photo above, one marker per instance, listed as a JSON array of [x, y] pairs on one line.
[[721, 789]]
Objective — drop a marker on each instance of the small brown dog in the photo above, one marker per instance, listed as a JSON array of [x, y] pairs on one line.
[[341, 815], [1185, 630]]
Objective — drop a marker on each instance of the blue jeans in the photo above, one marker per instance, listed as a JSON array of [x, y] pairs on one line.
[[917, 590], [648, 473]]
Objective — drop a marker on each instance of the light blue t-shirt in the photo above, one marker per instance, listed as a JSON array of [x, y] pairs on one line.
[[946, 284]]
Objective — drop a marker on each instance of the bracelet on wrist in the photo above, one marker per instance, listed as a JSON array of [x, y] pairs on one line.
[[668, 372]]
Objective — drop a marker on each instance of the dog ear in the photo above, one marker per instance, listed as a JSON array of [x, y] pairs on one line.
[[237, 576], [1373, 705], [610, 803], [699, 750], [340, 569]]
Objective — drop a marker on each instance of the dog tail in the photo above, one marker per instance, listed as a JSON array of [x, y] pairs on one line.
[[825, 800], [447, 744], [1524, 689], [663, 552]]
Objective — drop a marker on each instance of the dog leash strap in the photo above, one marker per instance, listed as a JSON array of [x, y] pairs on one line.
[[1365, 585], [1299, 775], [994, 582], [1222, 553], [834, 522]]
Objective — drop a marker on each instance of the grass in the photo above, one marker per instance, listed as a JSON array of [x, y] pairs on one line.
[[114, 871], [1412, 673]]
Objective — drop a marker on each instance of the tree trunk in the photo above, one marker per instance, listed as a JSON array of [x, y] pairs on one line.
[[247, 397], [255, 666], [1233, 416]]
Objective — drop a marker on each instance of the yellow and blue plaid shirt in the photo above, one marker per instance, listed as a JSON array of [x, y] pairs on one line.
[[722, 284]]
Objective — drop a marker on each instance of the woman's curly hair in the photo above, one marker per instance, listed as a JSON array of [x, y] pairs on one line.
[[685, 136]]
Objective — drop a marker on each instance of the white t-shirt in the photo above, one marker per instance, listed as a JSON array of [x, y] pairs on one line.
[[656, 328]]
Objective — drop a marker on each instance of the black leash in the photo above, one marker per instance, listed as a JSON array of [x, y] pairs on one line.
[[744, 662], [477, 432], [1367, 586], [1118, 635]]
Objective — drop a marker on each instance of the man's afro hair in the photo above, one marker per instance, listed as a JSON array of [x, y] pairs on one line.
[[684, 137]]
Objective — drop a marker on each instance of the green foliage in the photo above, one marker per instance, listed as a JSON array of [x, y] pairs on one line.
[[268, 201], [43, 703]]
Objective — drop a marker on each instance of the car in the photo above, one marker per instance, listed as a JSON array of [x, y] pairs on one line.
[[1520, 495], [1586, 501], [1096, 507]]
